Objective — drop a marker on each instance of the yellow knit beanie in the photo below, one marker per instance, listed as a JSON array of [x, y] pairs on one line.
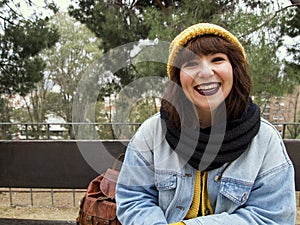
[[197, 30]]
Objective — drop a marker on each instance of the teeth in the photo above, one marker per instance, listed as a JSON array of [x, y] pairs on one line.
[[207, 86]]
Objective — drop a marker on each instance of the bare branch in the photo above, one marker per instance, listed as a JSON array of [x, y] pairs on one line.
[[6, 20], [296, 3], [267, 21], [161, 6]]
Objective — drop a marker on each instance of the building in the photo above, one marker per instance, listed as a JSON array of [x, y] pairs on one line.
[[284, 111]]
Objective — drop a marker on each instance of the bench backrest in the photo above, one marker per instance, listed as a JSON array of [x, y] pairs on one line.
[[293, 149], [55, 164], [73, 164]]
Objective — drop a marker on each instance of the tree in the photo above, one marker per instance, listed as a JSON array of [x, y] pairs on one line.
[[121, 22], [294, 129], [257, 24], [293, 112], [67, 61], [21, 41], [291, 28]]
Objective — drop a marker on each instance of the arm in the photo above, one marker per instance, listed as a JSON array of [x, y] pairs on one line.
[[271, 195], [136, 194], [276, 206]]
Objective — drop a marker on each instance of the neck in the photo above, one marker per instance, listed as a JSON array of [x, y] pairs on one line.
[[204, 118]]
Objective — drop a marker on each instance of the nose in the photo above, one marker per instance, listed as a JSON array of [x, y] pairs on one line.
[[205, 70]]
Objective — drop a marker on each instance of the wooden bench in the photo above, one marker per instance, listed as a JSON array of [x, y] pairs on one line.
[[54, 164], [70, 165]]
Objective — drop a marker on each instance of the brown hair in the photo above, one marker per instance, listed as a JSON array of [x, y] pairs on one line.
[[237, 100]]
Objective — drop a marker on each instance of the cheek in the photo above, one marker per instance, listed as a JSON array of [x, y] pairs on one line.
[[228, 86], [229, 80], [186, 80], [228, 77]]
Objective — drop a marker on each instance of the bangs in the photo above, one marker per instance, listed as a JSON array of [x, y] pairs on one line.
[[208, 44]]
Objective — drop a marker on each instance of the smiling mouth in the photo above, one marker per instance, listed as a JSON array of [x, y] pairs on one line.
[[208, 89]]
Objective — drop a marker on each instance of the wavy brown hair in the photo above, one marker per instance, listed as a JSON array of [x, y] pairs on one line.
[[237, 100]]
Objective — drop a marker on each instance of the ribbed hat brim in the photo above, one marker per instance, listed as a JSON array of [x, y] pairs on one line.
[[194, 31]]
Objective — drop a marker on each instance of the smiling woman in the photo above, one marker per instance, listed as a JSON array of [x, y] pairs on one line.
[[209, 70], [207, 82], [207, 157]]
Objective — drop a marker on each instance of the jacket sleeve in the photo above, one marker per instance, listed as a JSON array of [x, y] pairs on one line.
[[136, 194], [271, 201]]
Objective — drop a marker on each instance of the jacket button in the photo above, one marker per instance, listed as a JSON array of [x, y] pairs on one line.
[[207, 212], [216, 178], [244, 197], [188, 175]]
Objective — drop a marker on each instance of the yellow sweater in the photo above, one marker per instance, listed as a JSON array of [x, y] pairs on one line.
[[200, 199]]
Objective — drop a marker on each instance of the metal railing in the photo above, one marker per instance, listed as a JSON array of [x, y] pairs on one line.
[[68, 131], [288, 130], [35, 197]]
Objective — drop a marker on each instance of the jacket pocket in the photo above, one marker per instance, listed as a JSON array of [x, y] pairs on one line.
[[165, 180], [236, 190], [166, 183]]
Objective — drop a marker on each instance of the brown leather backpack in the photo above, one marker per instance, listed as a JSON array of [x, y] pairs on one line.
[[98, 206]]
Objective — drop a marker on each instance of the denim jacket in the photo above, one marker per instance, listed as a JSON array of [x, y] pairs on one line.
[[155, 186]]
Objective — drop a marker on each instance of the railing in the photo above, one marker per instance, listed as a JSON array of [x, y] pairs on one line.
[[37, 197], [66, 131], [96, 130], [288, 130]]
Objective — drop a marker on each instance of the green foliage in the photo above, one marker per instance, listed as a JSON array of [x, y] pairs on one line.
[[291, 28], [67, 63], [292, 22], [115, 22], [21, 42], [292, 131], [143, 109], [264, 70], [4, 116], [292, 75], [120, 22], [255, 23]]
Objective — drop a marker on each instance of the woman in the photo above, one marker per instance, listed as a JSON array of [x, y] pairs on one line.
[[207, 157]]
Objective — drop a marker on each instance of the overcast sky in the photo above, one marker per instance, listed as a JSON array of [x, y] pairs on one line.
[[38, 6], [63, 5]]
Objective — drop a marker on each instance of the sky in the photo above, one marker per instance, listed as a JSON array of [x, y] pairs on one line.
[[38, 6], [63, 5]]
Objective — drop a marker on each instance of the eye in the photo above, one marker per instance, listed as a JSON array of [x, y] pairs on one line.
[[190, 64], [218, 59]]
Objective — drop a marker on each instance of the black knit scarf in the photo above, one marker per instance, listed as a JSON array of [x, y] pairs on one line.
[[210, 148]]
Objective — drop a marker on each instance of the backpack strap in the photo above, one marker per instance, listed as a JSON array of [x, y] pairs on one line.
[[117, 161]]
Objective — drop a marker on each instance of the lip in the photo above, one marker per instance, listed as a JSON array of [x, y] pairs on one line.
[[208, 89]]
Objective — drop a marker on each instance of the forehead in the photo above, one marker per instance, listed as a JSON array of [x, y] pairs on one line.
[[204, 45]]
